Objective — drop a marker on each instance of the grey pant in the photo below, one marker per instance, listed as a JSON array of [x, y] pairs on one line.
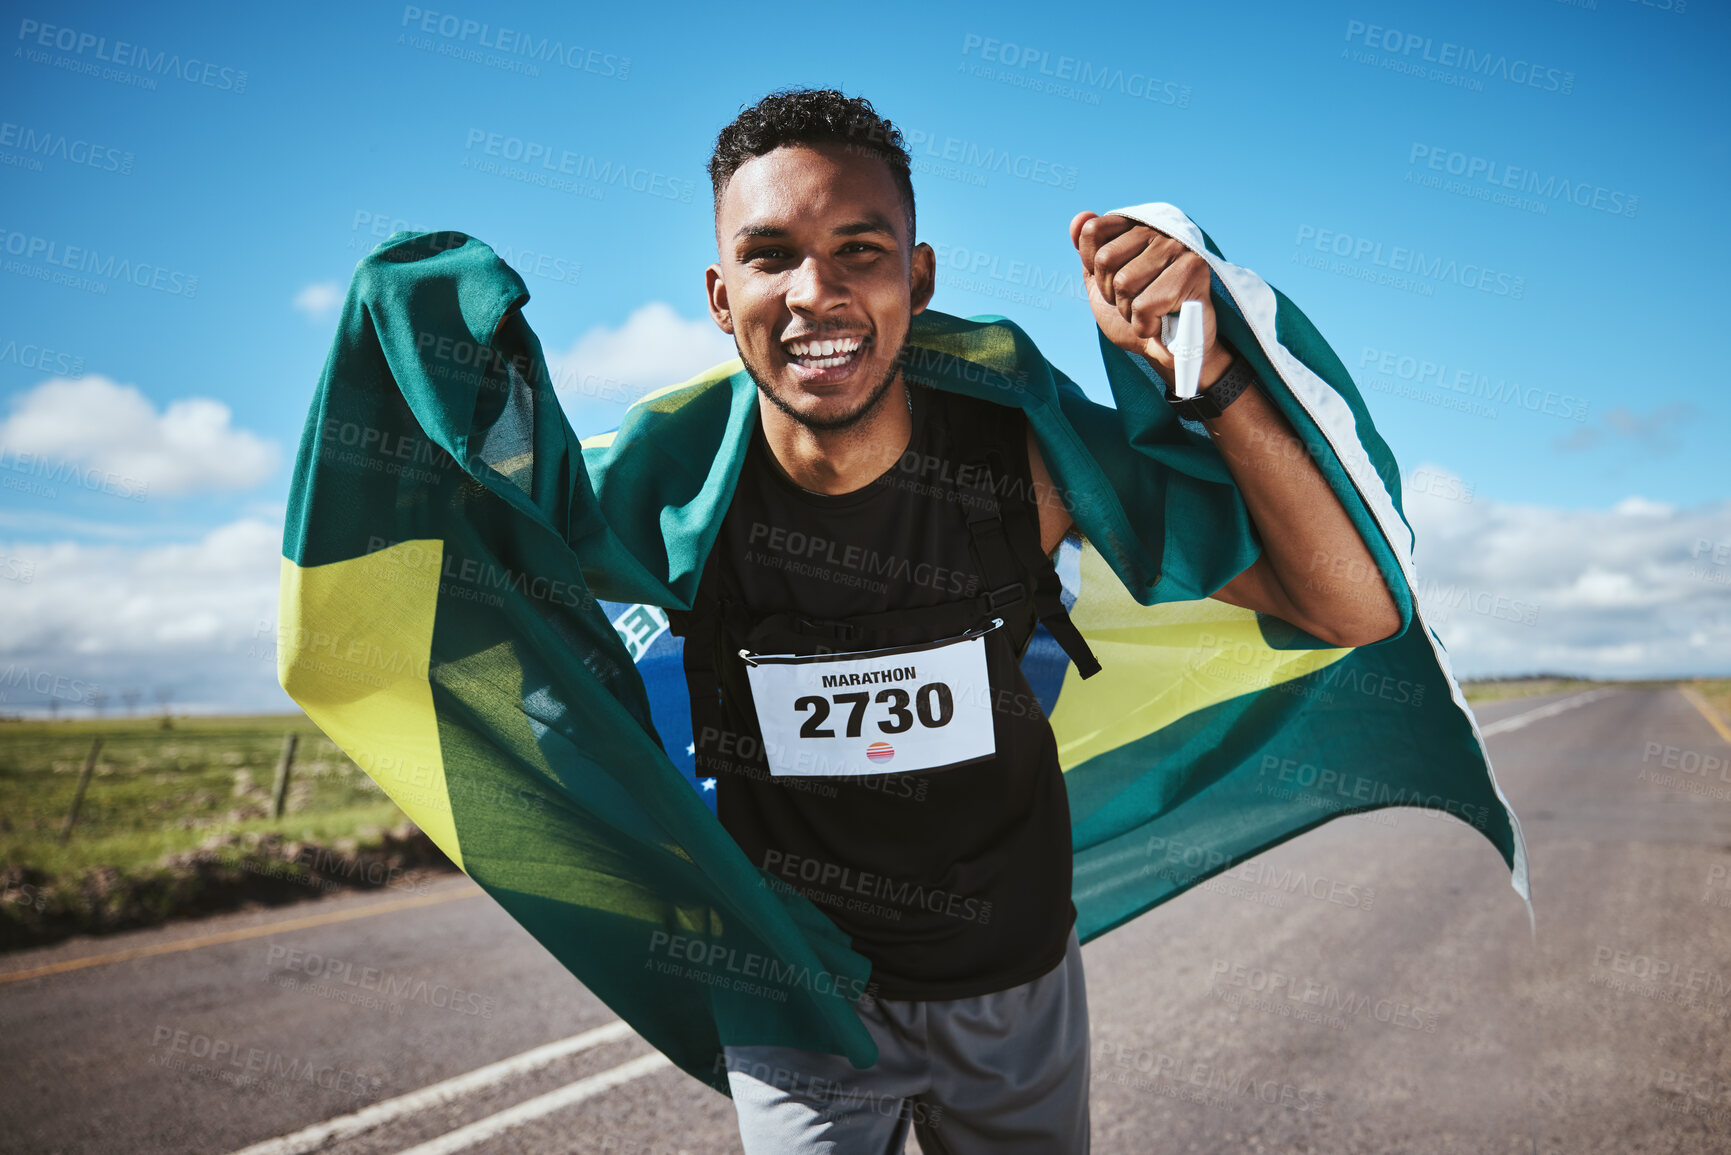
[[1005, 1073]]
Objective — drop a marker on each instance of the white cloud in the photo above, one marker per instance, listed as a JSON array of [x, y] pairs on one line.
[[606, 369], [319, 299], [1640, 589], [116, 434], [196, 617]]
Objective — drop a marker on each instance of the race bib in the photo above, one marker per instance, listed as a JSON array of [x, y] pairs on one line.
[[878, 712]]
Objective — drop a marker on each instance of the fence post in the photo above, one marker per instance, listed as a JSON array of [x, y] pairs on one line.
[[279, 792], [83, 782]]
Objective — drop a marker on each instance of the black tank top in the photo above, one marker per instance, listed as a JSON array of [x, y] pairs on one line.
[[954, 882]]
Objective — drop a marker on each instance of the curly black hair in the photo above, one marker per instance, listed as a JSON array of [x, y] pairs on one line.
[[807, 116]]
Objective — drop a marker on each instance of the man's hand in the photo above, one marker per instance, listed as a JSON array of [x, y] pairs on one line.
[[1136, 275]]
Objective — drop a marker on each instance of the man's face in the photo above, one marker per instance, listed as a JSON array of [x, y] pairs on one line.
[[813, 248]]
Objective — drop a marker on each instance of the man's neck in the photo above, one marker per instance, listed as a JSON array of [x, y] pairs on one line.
[[846, 459]]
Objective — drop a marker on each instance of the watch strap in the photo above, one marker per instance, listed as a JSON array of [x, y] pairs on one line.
[[1212, 401]]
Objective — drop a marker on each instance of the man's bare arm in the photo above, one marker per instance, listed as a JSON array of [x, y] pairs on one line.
[[1315, 570], [1340, 597], [1054, 518]]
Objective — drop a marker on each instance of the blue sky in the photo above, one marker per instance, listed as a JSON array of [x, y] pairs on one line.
[[1505, 217]]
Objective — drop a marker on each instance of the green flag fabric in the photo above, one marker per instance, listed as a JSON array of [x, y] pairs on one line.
[[473, 607]]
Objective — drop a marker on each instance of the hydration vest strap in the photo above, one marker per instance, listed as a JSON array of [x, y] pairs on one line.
[[1003, 572], [1049, 604]]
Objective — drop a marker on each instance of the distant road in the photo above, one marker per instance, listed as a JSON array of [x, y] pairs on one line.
[[1425, 1019]]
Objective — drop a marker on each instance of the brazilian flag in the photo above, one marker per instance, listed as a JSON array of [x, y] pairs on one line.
[[473, 607]]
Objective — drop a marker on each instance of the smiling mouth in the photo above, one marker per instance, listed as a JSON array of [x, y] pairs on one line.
[[833, 353]]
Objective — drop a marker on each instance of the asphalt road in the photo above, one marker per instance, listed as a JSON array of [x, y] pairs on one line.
[[1429, 1017]]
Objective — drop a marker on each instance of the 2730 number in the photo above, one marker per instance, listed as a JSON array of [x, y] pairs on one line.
[[932, 702]]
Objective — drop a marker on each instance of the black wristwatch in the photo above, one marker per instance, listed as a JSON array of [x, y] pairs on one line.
[[1212, 401]]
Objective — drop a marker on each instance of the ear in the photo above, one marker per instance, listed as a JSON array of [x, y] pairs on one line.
[[715, 290], [922, 277]]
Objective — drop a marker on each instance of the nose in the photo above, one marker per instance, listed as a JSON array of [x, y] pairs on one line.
[[816, 287]]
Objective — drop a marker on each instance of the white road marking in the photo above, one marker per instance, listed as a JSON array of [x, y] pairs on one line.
[[335, 1130], [1547, 711], [483, 1129], [346, 1126]]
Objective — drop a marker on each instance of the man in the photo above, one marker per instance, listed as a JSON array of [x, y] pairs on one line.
[[978, 1004]]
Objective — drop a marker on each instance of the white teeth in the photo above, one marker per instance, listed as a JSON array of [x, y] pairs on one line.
[[843, 348]]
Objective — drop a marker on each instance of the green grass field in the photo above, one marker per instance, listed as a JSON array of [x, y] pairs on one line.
[[1496, 690], [204, 785], [156, 791], [1718, 695]]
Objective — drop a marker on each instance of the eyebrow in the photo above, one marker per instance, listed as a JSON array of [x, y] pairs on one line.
[[871, 224]]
